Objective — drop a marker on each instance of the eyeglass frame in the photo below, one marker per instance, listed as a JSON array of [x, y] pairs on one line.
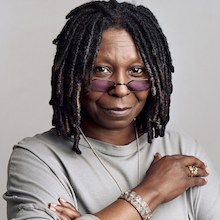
[[114, 84]]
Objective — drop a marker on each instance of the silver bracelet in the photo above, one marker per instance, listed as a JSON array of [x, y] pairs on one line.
[[138, 203]]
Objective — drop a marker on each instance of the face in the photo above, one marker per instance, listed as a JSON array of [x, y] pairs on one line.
[[118, 60]]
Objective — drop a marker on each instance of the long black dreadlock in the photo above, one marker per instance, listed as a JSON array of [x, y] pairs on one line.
[[77, 46]]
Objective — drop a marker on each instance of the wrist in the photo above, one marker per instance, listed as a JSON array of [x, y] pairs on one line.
[[150, 196], [138, 203]]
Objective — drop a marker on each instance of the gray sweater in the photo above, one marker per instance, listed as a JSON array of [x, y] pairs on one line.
[[44, 167]]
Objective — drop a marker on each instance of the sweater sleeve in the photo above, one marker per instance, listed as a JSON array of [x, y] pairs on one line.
[[32, 185], [34, 181], [205, 201], [207, 198]]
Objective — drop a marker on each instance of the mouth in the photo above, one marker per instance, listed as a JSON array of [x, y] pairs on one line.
[[118, 111]]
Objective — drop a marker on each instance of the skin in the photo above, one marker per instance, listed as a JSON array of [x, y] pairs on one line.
[[64, 209], [109, 117]]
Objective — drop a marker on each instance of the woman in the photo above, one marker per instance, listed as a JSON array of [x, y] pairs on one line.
[[111, 87]]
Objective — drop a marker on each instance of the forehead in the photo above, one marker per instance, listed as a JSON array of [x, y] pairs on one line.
[[118, 37], [117, 44]]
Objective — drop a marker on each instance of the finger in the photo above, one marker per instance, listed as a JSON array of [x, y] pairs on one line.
[[157, 157], [199, 172], [188, 160], [67, 211], [68, 216], [191, 160], [64, 203], [197, 181], [64, 212]]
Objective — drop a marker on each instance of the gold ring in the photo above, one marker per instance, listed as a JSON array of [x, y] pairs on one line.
[[194, 170]]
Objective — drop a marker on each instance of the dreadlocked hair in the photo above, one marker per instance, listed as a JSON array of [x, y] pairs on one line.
[[77, 46]]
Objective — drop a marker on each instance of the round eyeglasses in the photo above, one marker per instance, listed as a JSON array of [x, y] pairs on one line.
[[103, 85]]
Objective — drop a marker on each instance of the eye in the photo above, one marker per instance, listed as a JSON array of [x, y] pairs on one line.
[[137, 71], [102, 71]]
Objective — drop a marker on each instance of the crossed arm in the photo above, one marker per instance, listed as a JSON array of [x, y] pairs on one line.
[[167, 178]]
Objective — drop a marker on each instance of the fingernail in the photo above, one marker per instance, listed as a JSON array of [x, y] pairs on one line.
[[62, 200], [205, 165], [156, 154], [52, 206]]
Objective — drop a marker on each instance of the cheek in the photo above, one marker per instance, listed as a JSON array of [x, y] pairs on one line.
[[90, 98], [142, 99], [142, 96]]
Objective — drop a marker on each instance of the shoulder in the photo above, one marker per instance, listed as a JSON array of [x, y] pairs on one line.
[[177, 136], [43, 152], [47, 147], [174, 142], [47, 141]]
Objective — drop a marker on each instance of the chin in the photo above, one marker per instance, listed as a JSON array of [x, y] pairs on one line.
[[117, 124]]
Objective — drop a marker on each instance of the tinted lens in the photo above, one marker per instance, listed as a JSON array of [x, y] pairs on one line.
[[138, 85], [100, 85]]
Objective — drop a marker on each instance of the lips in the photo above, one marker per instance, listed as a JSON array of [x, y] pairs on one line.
[[118, 111]]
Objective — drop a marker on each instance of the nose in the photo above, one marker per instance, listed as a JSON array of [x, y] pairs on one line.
[[120, 88]]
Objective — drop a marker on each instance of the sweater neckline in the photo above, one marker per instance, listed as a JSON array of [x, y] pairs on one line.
[[114, 150]]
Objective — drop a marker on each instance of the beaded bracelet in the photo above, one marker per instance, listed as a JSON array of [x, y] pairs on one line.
[[138, 203]]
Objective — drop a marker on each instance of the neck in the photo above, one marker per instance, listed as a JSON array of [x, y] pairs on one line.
[[103, 164], [119, 136]]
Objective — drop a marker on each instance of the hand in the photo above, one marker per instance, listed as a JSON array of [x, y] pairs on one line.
[[169, 176], [65, 210]]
